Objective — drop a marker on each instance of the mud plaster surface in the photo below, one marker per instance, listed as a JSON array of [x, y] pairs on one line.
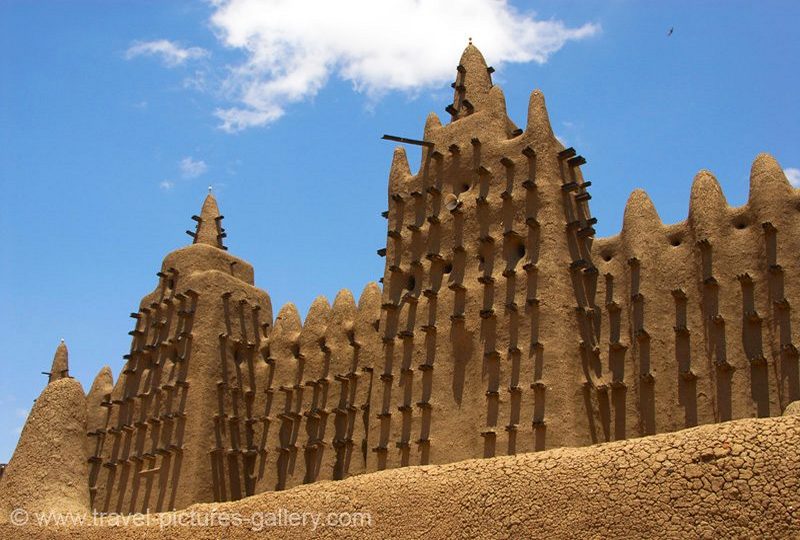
[[733, 480], [48, 469]]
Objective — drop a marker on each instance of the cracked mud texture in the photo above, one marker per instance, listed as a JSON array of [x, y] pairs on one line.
[[48, 469], [733, 480]]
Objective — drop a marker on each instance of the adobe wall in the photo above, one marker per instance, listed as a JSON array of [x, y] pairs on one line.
[[503, 327], [694, 321], [732, 480]]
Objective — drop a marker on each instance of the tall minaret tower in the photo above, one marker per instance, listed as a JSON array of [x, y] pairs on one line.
[[182, 424], [488, 255]]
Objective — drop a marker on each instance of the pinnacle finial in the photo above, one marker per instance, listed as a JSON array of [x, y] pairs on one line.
[[472, 84], [538, 119], [641, 217], [209, 224], [210, 188], [60, 366], [768, 182]]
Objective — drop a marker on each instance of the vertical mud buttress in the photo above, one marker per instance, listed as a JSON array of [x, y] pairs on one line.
[[503, 327]]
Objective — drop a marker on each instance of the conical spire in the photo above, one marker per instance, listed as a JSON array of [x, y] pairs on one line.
[[343, 311], [472, 85], [283, 344], [102, 386], [316, 322], [287, 325], [432, 123], [370, 300], [399, 171], [641, 218], [60, 367], [209, 224], [706, 195], [48, 471], [538, 119], [476, 72], [339, 332], [496, 100], [707, 204], [768, 183]]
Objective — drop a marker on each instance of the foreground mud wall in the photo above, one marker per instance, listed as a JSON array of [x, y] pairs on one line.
[[733, 480]]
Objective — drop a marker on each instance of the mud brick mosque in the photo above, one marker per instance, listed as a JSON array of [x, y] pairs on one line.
[[503, 326]]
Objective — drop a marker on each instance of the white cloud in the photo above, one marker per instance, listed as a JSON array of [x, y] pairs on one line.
[[793, 175], [293, 48], [191, 168], [197, 81], [170, 52]]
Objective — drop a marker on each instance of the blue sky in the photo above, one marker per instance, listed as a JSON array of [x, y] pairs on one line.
[[116, 116]]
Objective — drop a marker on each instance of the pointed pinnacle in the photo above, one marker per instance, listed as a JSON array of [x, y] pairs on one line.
[[208, 227], [60, 367]]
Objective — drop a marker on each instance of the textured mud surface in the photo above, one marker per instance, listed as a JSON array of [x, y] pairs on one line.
[[732, 480], [48, 470]]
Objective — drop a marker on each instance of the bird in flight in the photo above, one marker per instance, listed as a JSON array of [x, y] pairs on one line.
[[670, 31]]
